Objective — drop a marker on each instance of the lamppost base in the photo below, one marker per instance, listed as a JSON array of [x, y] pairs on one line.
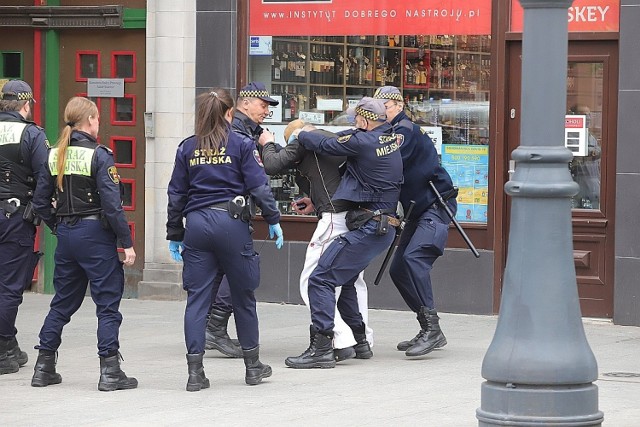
[[539, 405]]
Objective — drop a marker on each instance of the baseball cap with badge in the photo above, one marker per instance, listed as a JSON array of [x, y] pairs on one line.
[[388, 93], [257, 90], [369, 108], [16, 90]]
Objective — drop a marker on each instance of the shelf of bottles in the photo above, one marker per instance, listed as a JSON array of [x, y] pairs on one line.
[[432, 71]]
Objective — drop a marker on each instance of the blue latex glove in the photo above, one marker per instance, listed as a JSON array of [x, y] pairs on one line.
[[292, 138], [176, 248], [276, 230]]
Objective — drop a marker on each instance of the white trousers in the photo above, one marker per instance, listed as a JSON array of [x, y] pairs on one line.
[[330, 226]]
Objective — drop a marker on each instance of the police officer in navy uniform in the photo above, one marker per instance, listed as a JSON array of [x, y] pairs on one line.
[[371, 184], [89, 221], [23, 150], [424, 237], [215, 173], [322, 174], [252, 107]]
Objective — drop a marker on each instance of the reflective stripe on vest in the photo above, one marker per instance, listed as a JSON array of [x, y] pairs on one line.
[[11, 132], [78, 161]]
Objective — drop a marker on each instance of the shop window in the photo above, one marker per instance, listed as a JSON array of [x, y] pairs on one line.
[[123, 111], [124, 151], [123, 65], [128, 194], [87, 65], [444, 80], [11, 65]]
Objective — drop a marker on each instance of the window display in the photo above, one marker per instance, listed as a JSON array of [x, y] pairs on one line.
[[443, 77]]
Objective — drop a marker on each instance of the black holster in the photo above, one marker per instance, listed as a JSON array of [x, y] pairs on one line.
[[29, 215], [357, 218]]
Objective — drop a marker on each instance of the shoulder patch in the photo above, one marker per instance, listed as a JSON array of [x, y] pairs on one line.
[[400, 139], [257, 158], [344, 138], [113, 174]]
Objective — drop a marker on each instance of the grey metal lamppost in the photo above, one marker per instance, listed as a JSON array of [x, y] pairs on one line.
[[539, 368]]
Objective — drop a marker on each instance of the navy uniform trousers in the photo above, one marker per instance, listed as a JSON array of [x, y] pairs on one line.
[[340, 265], [421, 243], [214, 241], [86, 253], [17, 262]]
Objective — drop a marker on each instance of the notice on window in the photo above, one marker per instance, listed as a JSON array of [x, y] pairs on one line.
[[468, 166]]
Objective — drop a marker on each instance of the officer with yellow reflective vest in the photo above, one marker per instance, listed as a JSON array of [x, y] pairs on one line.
[[89, 221], [23, 150]]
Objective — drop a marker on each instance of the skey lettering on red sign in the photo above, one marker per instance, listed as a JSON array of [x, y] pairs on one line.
[[583, 15]]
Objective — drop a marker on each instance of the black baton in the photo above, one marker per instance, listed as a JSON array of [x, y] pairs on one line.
[[455, 221], [387, 257]]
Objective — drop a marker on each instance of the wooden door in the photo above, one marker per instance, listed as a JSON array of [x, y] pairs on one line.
[[592, 72]]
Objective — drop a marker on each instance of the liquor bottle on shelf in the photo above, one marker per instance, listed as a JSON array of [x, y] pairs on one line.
[[313, 101], [339, 68], [286, 110], [379, 69], [368, 76], [275, 65], [291, 64], [301, 63], [313, 58]]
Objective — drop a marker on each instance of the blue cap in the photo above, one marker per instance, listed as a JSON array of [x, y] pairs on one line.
[[16, 90], [388, 92], [257, 90], [369, 108]]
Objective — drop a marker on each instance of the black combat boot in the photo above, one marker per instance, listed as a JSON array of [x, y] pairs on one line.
[[197, 379], [8, 362], [346, 353], [44, 373], [430, 336], [112, 377], [256, 370], [362, 347], [217, 337], [404, 345], [21, 357], [318, 355]]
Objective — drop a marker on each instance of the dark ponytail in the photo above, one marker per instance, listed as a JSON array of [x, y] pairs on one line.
[[212, 128]]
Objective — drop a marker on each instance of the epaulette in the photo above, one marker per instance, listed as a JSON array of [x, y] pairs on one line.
[[109, 150]]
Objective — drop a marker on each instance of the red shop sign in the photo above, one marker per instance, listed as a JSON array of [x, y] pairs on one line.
[[369, 17], [583, 15]]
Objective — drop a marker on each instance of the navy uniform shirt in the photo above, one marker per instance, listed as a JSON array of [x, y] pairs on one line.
[[34, 145], [202, 179], [374, 166], [421, 165], [107, 183], [245, 126]]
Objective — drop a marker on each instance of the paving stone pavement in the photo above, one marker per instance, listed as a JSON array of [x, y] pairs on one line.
[[440, 389]]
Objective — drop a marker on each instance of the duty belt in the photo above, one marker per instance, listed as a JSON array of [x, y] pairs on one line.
[[378, 214], [73, 219], [223, 206]]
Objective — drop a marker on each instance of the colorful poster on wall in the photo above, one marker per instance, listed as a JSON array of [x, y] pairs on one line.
[[370, 17], [582, 15], [468, 166]]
